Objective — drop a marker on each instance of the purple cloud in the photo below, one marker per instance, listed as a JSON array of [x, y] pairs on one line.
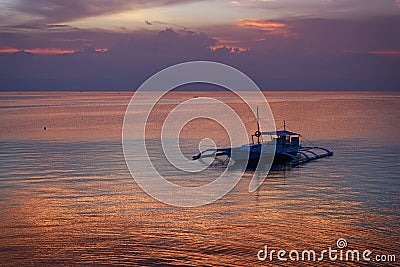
[[55, 11], [317, 54]]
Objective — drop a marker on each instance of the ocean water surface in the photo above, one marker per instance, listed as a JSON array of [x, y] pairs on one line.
[[67, 196]]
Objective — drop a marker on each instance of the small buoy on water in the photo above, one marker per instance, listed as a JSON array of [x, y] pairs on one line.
[[45, 128]]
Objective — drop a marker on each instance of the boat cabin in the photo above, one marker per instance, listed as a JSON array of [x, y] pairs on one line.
[[284, 139]]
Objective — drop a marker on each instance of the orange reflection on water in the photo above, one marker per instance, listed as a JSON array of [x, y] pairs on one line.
[[99, 115], [73, 202]]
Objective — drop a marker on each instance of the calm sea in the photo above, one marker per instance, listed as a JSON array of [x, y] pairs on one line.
[[67, 197]]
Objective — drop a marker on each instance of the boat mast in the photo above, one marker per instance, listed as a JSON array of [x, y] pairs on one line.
[[258, 128], [284, 125]]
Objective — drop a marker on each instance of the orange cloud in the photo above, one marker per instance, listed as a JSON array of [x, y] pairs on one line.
[[48, 51], [51, 51], [40, 51], [233, 49], [274, 27], [232, 45], [9, 50]]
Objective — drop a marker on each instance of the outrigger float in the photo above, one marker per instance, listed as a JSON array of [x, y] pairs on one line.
[[288, 149]]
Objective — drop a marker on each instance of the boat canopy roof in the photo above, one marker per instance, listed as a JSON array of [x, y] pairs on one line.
[[280, 133]]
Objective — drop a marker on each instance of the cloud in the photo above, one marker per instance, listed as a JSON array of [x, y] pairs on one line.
[[63, 38], [320, 8], [270, 26], [37, 26], [386, 52], [311, 36], [40, 51], [55, 11], [250, 3], [319, 54]]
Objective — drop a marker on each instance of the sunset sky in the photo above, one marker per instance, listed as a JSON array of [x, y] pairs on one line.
[[281, 44]]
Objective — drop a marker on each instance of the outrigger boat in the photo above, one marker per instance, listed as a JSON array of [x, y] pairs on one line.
[[288, 149]]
